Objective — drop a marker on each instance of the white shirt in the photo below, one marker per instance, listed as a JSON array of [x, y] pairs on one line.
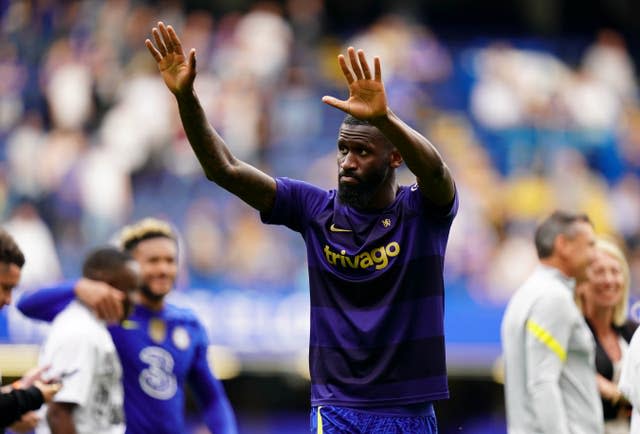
[[630, 380], [80, 344]]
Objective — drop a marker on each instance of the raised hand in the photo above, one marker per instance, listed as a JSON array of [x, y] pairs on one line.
[[367, 97], [178, 70]]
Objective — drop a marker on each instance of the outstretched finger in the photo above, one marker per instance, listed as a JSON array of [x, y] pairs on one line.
[[364, 65], [335, 102], [192, 59], [175, 41], [155, 53], [345, 69], [377, 69], [165, 37], [354, 63], [159, 42]]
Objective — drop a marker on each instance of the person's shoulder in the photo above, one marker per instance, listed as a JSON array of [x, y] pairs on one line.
[[180, 314], [414, 201], [75, 315], [300, 184], [542, 290], [628, 329], [75, 326]]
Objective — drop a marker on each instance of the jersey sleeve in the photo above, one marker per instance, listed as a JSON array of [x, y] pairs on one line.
[[548, 330], [296, 202], [216, 409], [45, 303], [15, 403], [76, 355], [420, 203]]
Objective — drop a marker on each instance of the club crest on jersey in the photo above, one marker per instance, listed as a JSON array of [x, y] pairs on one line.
[[386, 223], [157, 330], [180, 338]]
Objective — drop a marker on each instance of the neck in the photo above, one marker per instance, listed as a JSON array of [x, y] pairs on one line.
[[600, 318], [556, 263], [385, 196], [150, 302]]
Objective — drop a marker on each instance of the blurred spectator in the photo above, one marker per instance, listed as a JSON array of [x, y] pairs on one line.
[[515, 87], [67, 86], [104, 193], [624, 199], [25, 146], [592, 104], [608, 61], [204, 241], [14, 78], [36, 241]]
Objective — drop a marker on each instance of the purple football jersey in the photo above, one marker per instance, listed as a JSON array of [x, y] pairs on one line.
[[377, 294]]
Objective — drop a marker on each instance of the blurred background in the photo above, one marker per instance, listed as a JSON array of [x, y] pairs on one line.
[[534, 105]]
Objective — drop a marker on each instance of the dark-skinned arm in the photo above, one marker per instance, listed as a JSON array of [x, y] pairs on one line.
[[368, 101], [421, 157], [60, 418], [178, 71]]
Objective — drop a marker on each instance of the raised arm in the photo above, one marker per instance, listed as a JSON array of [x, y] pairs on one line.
[[368, 101], [220, 166]]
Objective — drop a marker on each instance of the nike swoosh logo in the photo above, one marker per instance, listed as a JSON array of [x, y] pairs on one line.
[[333, 228]]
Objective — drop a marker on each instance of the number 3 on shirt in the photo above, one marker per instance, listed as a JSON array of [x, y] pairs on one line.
[[157, 380]]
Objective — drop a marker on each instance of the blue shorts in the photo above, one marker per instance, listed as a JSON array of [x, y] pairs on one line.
[[344, 420]]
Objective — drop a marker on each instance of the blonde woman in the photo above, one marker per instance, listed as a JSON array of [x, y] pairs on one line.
[[603, 298]]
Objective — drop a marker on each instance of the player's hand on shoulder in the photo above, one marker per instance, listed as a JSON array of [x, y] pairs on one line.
[[105, 300]]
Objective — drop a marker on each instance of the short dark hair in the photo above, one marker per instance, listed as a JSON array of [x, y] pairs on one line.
[[102, 260], [558, 223], [10, 253], [352, 120]]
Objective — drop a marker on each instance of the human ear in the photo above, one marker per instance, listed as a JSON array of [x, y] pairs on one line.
[[395, 159]]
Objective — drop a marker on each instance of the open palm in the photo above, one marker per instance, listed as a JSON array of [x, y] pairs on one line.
[[178, 71], [367, 97]]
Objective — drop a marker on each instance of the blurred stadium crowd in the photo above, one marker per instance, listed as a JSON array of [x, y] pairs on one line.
[[90, 138]]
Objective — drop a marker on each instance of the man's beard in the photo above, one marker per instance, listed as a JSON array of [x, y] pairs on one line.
[[359, 195], [150, 295]]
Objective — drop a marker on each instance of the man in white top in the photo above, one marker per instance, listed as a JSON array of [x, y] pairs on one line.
[[549, 352], [629, 383], [81, 353]]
